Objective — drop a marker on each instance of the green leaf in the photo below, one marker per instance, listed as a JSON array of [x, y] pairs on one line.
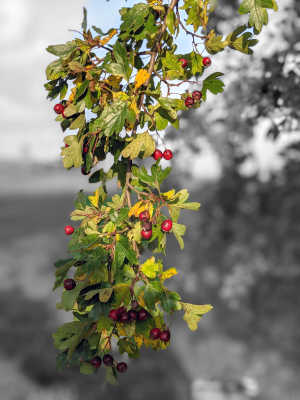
[[69, 297], [152, 294], [134, 18], [62, 269], [72, 155], [179, 231], [113, 118], [62, 49], [111, 376], [258, 15], [84, 21], [197, 64], [142, 143], [160, 122], [55, 70], [104, 322], [86, 368], [172, 66], [214, 44], [171, 22], [78, 123], [128, 346], [68, 334], [242, 43], [193, 206], [121, 67], [193, 314], [81, 89], [170, 301], [213, 84]]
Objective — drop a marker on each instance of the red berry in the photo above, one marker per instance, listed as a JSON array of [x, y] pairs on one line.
[[133, 315], [206, 61], [197, 95], [144, 215], [108, 360], [96, 362], [59, 108], [69, 229], [63, 114], [121, 310], [157, 154], [155, 333], [165, 336], [67, 145], [147, 226], [122, 367], [142, 315], [114, 315], [124, 317], [146, 234], [69, 284], [85, 149], [166, 225], [184, 62], [168, 155], [189, 101]]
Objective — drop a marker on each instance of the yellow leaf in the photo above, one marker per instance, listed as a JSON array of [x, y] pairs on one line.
[[141, 77], [105, 294], [95, 198], [169, 195], [134, 107], [120, 95], [168, 273], [193, 314], [107, 38], [143, 142], [139, 340], [150, 268], [72, 95], [139, 207], [114, 81]]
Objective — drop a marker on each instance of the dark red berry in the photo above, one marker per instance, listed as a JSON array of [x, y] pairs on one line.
[[114, 315], [157, 155], [168, 155], [121, 310], [166, 225], [122, 367], [68, 229], [146, 234], [165, 336], [142, 315], [124, 317], [85, 149], [155, 333], [189, 101], [206, 61], [96, 362], [59, 108], [67, 145], [147, 226], [133, 315], [184, 62], [197, 95], [108, 360], [144, 215], [69, 284]]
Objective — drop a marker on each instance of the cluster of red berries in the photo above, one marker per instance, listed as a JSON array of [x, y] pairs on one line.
[[191, 100], [167, 154], [59, 108], [206, 61], [121, 315], [146, 232], [108, 361], [156, 334]]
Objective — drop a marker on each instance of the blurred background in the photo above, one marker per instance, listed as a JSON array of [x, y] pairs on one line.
[[238, 155]]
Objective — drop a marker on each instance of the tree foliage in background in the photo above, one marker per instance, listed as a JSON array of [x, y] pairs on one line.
[[116, 91]]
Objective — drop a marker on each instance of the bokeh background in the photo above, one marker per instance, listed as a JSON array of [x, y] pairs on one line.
[[238, 155]]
